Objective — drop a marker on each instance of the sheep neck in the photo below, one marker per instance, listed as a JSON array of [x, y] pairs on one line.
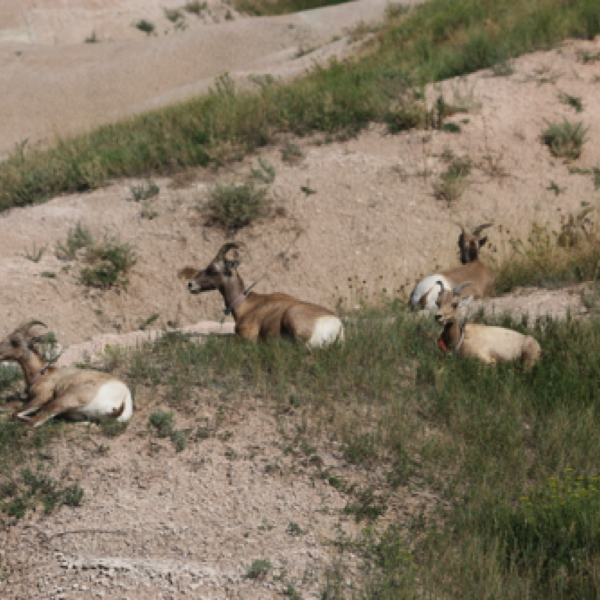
[[234, 295], [32, 366], [452, 336]]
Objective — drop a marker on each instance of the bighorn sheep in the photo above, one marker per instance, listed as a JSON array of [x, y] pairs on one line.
[[488, 344], [426, 292], [577, 229], [263, 315], [77, 393]]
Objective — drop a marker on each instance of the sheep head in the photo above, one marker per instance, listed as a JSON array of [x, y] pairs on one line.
[[218, 272], [20, 342], [471, 242], [449, 302]]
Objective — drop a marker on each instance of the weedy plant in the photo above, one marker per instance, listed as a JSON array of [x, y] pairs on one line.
[[110, 262], [572, 101], [292, 153], [35, 254], [503, 68], [453, 182], [23, 483], [78, 238], [195, 7], [544, 260], [259, 569], [163, 423], [29, 489], [144, 191], [146, 26], [233, 206], [565, 139]]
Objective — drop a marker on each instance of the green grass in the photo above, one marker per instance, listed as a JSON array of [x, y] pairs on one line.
[[431, 42], [494, 436], [565, 139], [109, 260], [24, 485], [540, 261], [263, 8]]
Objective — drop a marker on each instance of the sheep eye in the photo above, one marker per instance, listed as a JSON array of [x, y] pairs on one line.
[[14, 343]]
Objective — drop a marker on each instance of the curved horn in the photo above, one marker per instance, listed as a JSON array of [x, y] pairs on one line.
[[459, 288], [225, 248], [586, 211], [28, 324], [479, 229]]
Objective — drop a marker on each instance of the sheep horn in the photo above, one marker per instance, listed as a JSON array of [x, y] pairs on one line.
[[586, 211], [459, 288], [462, 227], [225, 248], [27, 325], [478, 230]]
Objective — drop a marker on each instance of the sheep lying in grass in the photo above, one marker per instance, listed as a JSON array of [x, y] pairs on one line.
[[263, 316], [488, 344], [77, 393], [426, 292]]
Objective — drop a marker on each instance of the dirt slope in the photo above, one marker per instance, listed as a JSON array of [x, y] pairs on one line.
[[55, 84], [161, 524]]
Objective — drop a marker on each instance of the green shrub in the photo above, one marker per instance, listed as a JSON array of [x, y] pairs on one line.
[[195, 7], [259, 569], [110, 261], [164, 424], [144, 191], [565, 139], [453, 182], [78, 237], [146, 26], [234, 206], [27, 490]]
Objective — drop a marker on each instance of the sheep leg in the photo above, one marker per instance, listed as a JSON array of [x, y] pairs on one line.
[[22, 414], [531, 353], [55, 407]]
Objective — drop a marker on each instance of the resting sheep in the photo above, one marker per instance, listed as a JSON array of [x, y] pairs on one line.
[[489, 344], [263, 316], [77, 393], [472, 269]]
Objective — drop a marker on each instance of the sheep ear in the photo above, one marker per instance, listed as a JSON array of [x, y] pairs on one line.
[[465, 301], [187, 273]]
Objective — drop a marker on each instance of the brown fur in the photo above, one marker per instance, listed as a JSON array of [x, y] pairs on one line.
[[257, 316]]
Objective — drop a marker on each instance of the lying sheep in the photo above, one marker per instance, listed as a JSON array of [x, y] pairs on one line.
[[472, 269], [263, 316], [77, 393], [488, 344]]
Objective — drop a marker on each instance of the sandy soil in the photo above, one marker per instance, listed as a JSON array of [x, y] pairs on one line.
[[55, 84], [162, 524]]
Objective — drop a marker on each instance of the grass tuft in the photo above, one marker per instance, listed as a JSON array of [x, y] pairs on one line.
[[565, 139]]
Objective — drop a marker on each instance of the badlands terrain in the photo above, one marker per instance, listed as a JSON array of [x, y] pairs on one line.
[[352, 220]]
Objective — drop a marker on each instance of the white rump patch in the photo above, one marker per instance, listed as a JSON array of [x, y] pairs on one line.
[[327, 330], [426, 292], [108, 400]]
